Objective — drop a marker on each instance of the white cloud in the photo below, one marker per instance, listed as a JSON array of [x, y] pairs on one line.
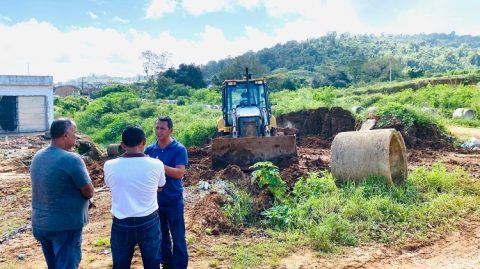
[[430, 16], [5, 19], [196, 7], [92, 15], [80, 51], [249, 4], [120, 20], [312, 18], [157, 8]]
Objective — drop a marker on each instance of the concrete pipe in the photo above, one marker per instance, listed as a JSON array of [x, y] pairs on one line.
[[464, 113], [469, 113], [357, 155], [114, 150]]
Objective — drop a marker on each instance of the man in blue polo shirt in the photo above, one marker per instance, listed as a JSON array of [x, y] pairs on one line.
[[170, 200]]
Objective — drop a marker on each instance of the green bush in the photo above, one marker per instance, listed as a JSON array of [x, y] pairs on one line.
[[240, 211], [408, 116], [267, 174], [68, 106], [117, 88], [206, 96], [326, 95]]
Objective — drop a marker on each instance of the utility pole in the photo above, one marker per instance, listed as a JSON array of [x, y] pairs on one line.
[[390, 71]]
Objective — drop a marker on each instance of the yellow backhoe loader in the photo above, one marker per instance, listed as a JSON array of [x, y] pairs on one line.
[[247, 131]]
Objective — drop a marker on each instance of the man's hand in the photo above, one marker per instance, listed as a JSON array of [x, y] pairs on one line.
[[176, 172]]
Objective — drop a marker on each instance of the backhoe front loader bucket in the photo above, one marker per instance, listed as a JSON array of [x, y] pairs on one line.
[[246, 151]]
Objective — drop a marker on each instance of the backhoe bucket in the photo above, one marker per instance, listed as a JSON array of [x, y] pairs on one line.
[[246, 151]]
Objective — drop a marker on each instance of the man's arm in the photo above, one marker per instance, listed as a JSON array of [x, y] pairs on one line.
[[176, 172], [87, 191]]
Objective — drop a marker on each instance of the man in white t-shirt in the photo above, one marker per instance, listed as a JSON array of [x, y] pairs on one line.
[[134, 180]]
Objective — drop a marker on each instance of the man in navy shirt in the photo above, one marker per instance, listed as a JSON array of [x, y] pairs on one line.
[[170, 199]]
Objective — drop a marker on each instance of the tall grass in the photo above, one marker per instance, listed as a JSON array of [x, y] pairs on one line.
[[431, 200]]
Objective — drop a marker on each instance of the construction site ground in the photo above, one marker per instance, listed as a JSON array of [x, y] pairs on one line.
[[458, 248]]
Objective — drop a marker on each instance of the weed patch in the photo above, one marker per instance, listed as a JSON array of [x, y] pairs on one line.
[[373, 211]]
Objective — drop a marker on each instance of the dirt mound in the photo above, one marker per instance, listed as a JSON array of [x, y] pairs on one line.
[[196, 173], [198, 155], [428, 136], [208, 214], [95, 170], [316, 164], [261, 202], [234, 174], [86, 147], [292, 174], [311, 141], [323, 122]]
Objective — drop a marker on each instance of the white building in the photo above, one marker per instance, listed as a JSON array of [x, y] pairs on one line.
[[26, 104]]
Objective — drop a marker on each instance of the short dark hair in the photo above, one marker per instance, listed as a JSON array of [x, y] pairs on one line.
[[166, 119], [59, 127], [132, 136]]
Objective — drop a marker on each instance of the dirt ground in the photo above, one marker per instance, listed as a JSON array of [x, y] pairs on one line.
[[207, 227], [464, 132]]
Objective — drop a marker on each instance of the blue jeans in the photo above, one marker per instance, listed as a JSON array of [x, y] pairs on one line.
[[128, 232], [173, 229], [62, 249]]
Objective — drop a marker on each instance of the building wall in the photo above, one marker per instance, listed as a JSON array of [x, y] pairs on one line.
[[32, 91], [66, 90]]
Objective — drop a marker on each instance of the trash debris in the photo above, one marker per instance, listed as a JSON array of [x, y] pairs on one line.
[[472, 143]]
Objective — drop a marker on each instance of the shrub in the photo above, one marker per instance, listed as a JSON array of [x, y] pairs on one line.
[[117, 88], [267, 175], [240, 211]]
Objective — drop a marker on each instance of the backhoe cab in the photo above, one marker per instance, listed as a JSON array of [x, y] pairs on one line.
[[247, 129], [246, 108]]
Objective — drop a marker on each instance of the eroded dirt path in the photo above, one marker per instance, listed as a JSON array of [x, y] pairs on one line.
[[458, 249], [464, 132]]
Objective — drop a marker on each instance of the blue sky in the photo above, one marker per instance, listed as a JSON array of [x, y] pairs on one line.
[[68, 39]]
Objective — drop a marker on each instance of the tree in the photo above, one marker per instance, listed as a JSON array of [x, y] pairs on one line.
[[164, 86], [153, 63], [170, 73], [236, 68], [190, 75]]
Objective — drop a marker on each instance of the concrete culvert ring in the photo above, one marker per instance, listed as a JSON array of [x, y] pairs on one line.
[[357, 155], [397, 159]]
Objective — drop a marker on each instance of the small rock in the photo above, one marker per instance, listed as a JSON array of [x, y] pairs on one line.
[[22, 256], [368, 125], [203, 185]]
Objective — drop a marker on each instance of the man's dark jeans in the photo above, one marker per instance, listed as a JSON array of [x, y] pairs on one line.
[[173, 223], [144, 231], [62, 249]]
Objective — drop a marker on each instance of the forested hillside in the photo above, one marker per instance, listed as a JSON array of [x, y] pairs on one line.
[[343, 60]]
